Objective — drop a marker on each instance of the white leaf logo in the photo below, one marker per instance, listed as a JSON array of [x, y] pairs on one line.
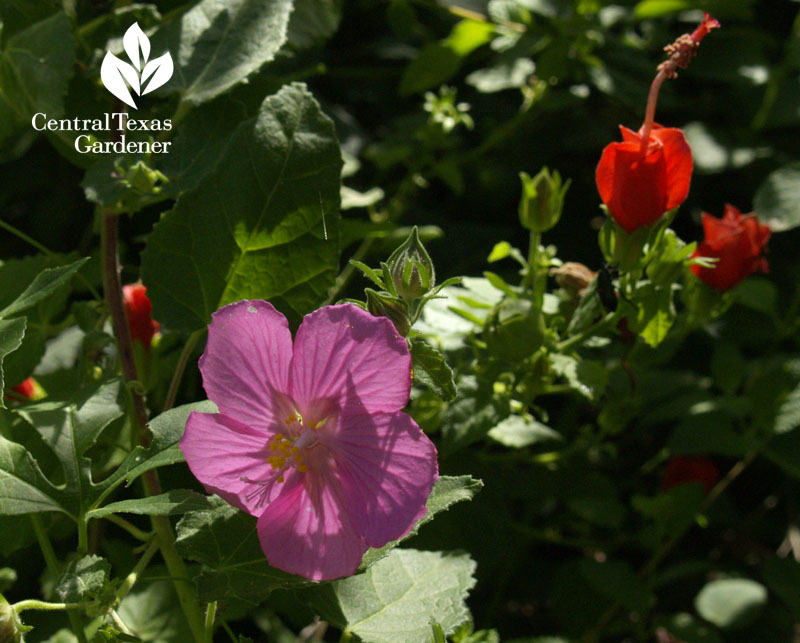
[[118, 76]]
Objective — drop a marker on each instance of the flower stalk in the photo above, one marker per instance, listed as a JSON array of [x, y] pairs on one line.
[[112, 287]]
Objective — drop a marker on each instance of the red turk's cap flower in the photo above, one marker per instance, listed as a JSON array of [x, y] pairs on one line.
[[639, 185], [26, 388], [737, 241], [703, 28], [690, 468], [138, 310]]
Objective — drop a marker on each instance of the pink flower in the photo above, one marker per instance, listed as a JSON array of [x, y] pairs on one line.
[[311, 439]]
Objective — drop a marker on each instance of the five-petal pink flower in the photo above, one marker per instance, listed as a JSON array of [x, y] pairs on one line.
[[311, 438]]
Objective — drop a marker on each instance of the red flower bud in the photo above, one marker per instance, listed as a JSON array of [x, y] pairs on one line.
[[737, 241], [640, 183], [690, 468], [25, 389], [138, 310]]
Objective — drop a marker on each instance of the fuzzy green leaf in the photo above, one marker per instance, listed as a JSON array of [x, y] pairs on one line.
[[83, 578], [217, 44], [432, 370], [399, 597], [69, 428], [730, 603], [35, 67], [256, 226], [175, 501]]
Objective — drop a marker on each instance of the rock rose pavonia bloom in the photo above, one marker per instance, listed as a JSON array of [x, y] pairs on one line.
[[737, 242], [138, 310], [637, 182], [310, 438]]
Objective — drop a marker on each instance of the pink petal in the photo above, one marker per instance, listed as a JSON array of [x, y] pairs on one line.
[[347, 359], [221, 451], [306, 530], [245, 365], [387, 467]]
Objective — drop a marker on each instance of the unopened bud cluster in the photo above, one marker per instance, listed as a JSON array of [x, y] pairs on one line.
[[407, 280]]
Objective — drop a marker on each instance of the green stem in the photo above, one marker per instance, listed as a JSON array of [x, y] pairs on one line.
[[141, 565], [180, 368], [187, 596], [83, 536], [55, 569], [45, 544], [211, 613], [161, 524], [594, 329], [132, 529], [119, 622], [33, 604], [347, 272], [533, 259]]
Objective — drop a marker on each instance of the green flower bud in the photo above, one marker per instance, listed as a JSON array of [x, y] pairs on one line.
[[411, 269], [382, 304], [542, 200], [143, 179], [10, 627]]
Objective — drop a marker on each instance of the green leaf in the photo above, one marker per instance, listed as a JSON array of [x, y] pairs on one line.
[[589, 309], [397, 598], [175, 501], [432, 370], [673, 510], [655, 313], [784, 450], [437, 62], [83, 578], [312, 22], [517, 431], [709, 433], [201, 142], [616, 580], [659, 8], [164, 449], [225, 540], [731, 603], [11, 333], [727, 366], [35, 67], [219, 43], [44, 285], [256, 226], [470, 417], [152, 612], [507, 73], [782, 576], [447, 491], [777, 200], [587, 377], [603, 510], [69, 427]]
